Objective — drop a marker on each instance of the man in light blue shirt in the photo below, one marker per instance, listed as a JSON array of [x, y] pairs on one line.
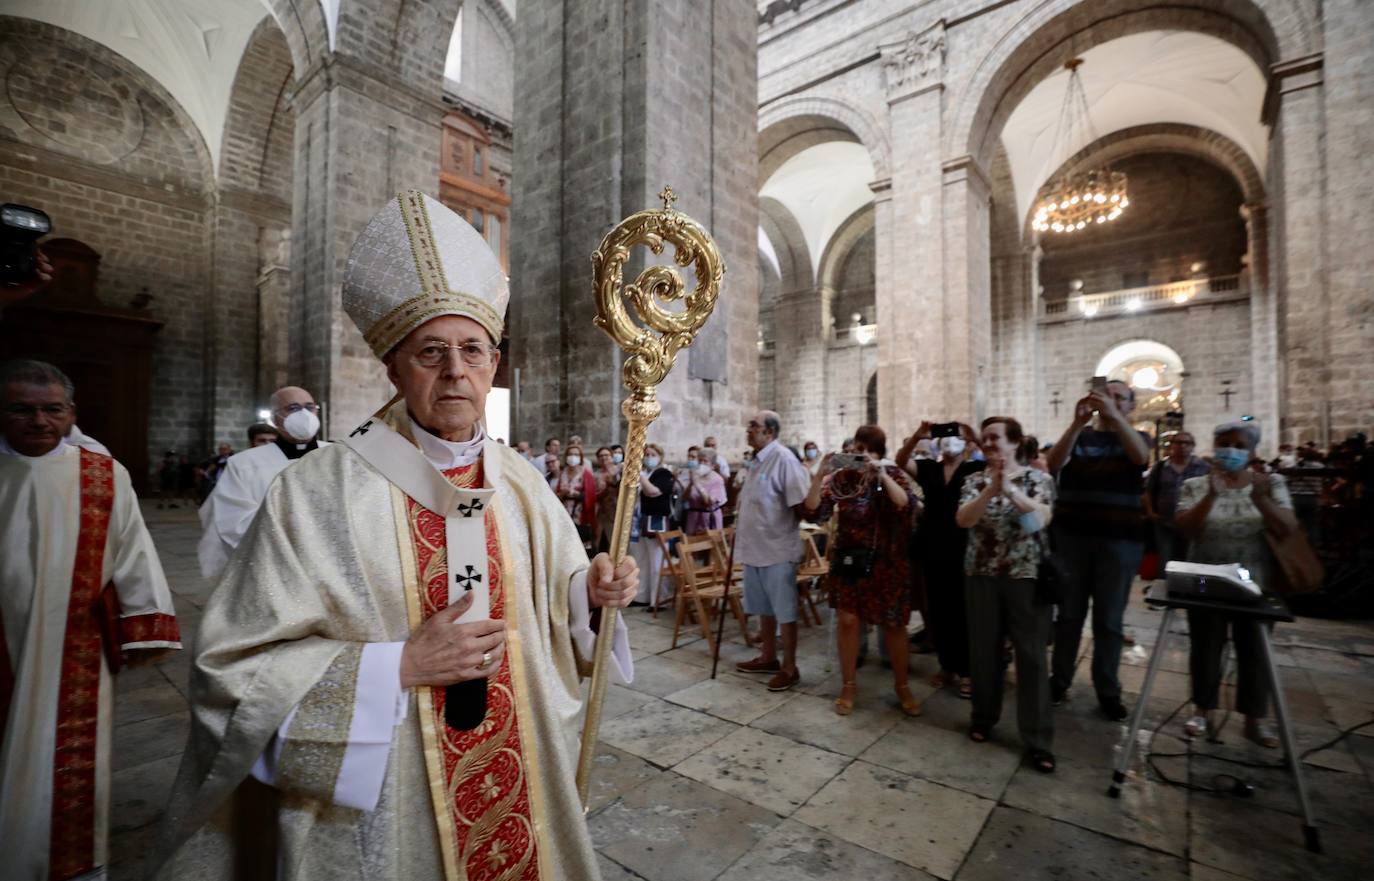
[[768, 543]]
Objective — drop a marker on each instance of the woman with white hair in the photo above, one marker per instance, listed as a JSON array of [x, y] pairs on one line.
[[1225, 515]]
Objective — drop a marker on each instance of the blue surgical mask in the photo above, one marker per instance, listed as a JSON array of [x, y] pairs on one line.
[[650, 461], [618, 457], [812, 452], [1231, 459]]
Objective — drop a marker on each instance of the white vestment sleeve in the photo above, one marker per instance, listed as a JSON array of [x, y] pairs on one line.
[[580, 625], [227, 513], [131, 564], [379, 705]]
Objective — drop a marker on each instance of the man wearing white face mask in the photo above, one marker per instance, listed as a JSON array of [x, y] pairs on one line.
[[229, 511]]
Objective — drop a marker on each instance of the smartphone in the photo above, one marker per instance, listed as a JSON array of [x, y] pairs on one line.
[[944, 429], [841, 461], [1100, 384]]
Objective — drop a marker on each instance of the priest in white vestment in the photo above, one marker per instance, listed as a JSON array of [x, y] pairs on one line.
[[231, 505], [388, 583], [81, 589]]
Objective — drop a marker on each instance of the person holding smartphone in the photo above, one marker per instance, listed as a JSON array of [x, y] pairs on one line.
[[1098, 535], [869, 577], [940, 543]]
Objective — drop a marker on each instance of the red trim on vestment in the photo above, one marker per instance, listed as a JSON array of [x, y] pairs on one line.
[[72, 839], [149, 627], [492, 795]]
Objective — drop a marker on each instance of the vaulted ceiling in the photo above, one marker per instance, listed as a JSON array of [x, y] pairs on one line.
[[1151, 77]]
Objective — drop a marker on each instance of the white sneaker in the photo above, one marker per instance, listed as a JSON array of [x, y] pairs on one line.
[[1196, 726]]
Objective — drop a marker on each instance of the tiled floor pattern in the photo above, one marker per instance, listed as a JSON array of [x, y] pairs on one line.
[[702, 779]]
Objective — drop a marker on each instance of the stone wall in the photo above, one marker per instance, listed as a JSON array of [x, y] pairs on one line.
[[602, 124], [1349, 119], [105, 151], [927, 86], [1212, 341]]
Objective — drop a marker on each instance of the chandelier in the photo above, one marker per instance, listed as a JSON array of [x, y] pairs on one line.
[[1081, 198]]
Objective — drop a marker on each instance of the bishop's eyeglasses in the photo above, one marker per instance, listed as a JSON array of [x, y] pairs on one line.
[[473, 353]]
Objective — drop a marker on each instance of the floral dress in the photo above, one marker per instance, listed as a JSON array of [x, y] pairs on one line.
[[869, 519], [998, 545]]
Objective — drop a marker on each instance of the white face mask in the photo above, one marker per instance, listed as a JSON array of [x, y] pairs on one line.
[[574, 461], [302, 424], [952, 446]]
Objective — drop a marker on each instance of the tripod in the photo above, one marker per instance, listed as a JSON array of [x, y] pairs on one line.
[[1268, 610]]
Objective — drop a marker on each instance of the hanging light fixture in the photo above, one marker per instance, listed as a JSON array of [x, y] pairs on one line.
[[1085, 198]]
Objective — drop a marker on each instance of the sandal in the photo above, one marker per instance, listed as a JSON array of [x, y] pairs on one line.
[[1262, 733], [844, 704], [1042, 760], [966, 688], [979, 733], [910, 705], [938, 680]]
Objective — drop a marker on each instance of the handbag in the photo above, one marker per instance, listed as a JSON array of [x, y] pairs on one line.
[[853, 563], [1298, 568]]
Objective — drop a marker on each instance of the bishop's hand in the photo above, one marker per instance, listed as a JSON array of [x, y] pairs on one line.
[[612, 586], [442, 652]]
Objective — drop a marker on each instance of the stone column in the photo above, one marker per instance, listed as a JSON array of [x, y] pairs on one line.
[[613, 101], [1264, 324], [1348, 95], [362, 135], [803, 333], [1298, 185], [274, 311], [909, 240], [967, 328]]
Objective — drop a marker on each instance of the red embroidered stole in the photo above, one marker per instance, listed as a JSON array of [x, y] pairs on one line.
[[484, 769], [72, 841]]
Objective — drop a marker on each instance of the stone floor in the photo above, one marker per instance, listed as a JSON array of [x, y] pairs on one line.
[[719, 779]]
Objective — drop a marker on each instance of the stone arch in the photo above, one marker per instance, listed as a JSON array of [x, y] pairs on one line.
[[1267, 30], [1164, 137], [499, 15], [259, 128], [784, 126], [128, 122], [303, 24], [789, 244], [833, 257]]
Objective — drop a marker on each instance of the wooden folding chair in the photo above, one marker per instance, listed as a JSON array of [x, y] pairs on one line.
[[722, 538], [668, 568], [813, 567], [702, 587]]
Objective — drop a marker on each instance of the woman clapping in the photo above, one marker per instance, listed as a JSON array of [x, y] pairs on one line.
[[1006, 509]]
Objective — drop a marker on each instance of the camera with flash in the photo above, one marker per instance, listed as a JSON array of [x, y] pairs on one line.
[[1220, 583], [20, 229]]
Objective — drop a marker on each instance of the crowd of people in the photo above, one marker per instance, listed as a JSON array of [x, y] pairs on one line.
[[967, 527]]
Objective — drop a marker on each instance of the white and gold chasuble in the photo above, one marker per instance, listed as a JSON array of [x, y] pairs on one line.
[[339, 559]]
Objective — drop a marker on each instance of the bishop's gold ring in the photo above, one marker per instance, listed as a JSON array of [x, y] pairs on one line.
[[486, 661]]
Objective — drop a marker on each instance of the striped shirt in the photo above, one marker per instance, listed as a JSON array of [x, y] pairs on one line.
[[1099, 489]]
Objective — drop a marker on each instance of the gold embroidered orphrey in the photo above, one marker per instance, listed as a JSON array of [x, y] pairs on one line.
[[652, 349]]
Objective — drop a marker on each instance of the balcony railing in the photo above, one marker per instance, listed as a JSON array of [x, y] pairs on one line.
[[1147, 299]]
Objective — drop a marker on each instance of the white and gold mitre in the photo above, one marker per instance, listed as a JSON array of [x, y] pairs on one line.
[[417, 260]]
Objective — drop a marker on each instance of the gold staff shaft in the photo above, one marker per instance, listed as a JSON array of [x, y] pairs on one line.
[[652, 339], [639, 414]]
